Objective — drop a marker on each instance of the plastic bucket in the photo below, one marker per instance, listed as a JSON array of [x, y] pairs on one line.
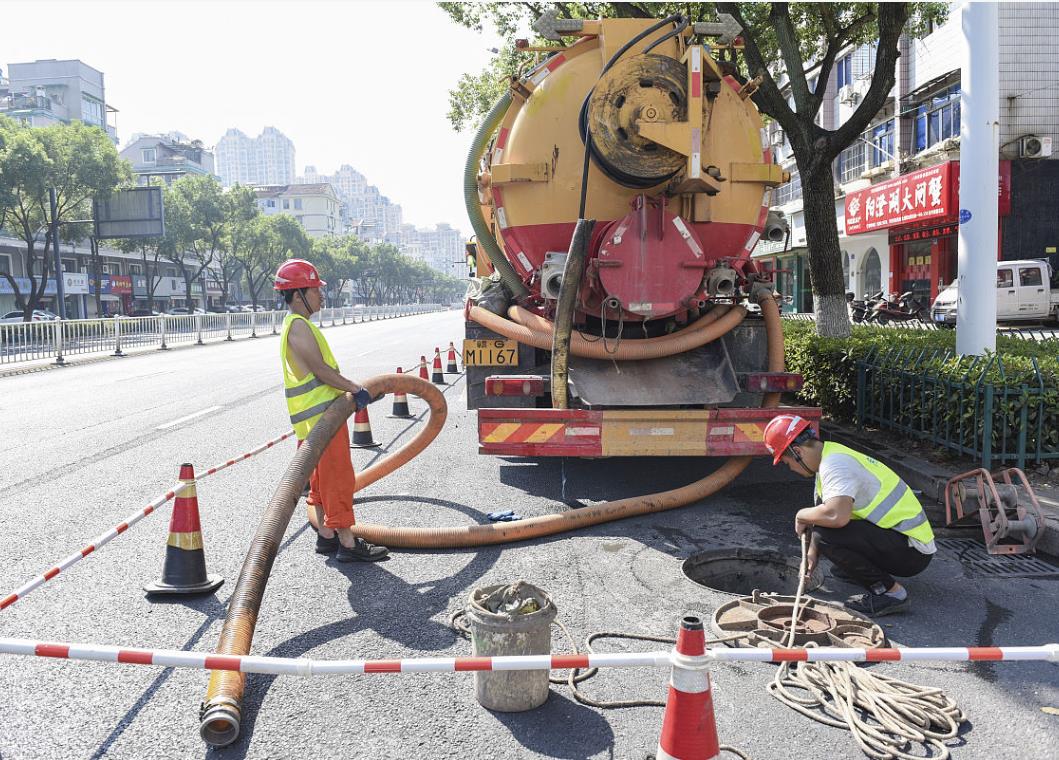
[[495, 634]]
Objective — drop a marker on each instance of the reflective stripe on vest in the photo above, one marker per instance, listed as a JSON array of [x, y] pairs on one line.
[[895, 506], [307, 397]]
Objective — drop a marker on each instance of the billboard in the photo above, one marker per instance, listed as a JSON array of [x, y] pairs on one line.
[[136, 212]]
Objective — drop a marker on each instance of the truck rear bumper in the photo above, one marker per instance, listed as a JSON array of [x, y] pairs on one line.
[[629, 432]]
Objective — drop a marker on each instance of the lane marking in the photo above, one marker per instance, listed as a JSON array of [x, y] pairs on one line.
[[185, 419]]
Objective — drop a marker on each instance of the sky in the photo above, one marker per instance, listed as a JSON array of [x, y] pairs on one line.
[[359, 83]]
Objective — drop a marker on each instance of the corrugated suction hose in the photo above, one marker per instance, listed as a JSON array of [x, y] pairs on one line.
[[220, 714]]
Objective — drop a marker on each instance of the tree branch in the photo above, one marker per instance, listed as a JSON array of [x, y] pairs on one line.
[[768, 98]]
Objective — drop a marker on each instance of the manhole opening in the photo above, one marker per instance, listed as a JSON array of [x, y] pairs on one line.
[[742, 571]]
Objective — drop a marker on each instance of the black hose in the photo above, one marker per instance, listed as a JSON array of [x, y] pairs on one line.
[[564, 311]]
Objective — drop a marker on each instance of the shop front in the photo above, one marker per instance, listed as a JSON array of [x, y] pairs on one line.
[[918, 212], [115, 293]]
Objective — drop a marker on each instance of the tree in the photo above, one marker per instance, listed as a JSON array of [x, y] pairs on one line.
[[240, 211], [77, 160], [337, 259], [785, 44], [196, 220], [267, 242]]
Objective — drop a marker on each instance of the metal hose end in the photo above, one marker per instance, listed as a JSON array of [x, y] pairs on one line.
[[219, 724]]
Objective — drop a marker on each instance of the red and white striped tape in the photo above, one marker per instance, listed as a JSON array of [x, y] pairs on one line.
[[104, 538], [307, 667]]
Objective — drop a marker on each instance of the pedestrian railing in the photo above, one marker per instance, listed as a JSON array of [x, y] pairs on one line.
[[57, 339], [993, 410]]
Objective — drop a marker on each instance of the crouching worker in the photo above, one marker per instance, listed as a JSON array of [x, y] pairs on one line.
[[867, 521], [312, 381]]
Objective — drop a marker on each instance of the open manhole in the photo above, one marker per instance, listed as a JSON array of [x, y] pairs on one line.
[[742, 570]]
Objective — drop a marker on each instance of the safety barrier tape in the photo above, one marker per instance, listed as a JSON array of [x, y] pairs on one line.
[[170, 658], [104, 538]]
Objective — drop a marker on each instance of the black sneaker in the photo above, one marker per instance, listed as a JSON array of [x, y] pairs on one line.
[[327, 545], [362, 551], [874, 605]]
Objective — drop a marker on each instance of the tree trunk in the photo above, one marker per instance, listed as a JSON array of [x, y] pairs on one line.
[[825, 257]]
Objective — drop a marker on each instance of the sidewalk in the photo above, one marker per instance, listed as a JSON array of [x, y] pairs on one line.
[[929, 479]]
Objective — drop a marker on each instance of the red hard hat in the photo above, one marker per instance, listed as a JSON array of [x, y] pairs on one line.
[[781, 432], [297, 273]]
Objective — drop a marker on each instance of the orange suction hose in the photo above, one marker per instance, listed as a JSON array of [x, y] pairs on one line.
[[627, 350], [535, 527]]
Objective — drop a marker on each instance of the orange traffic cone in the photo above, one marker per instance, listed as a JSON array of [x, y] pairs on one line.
[[362, 431], [451, 368], [688, 728], [184, 570], [400, 404], [423, 375], [436, 375]]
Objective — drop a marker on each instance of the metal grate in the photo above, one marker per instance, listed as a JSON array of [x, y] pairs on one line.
[[981, 564]]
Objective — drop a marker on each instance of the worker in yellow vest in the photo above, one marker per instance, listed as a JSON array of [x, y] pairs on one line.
[[867, 521], [311, 380]]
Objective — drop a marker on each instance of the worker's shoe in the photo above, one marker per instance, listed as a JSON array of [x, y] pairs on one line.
[[327, 545], [361, 551], [874, 605]]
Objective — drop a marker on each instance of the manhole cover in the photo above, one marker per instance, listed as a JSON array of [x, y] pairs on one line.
[[766, 619], [979, 563], [742, 571]]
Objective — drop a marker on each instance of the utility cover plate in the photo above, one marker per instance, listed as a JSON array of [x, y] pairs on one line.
[[979, 563], [702, 376], [764, 618]]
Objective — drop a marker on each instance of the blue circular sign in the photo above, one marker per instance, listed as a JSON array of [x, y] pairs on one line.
[[965, 216]]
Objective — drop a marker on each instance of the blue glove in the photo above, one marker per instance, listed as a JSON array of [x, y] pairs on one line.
[[362, 398]]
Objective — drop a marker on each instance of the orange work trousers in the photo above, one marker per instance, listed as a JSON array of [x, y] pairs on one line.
[[332, 483]]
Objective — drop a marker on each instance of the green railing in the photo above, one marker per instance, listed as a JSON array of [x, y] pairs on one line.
[[969, 405]]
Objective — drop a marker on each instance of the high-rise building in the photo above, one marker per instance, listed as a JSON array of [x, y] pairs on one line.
[[56, 92], [267, 159], [442, 248], [169, 157], [366, 212]]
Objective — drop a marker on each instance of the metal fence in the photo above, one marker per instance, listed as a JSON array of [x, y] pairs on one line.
[[28, 341], [1020, 333], [970, 406]]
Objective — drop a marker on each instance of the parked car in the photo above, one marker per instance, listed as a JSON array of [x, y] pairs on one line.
[[144, 313], [1023, 291], [183, 310], [39, 315]]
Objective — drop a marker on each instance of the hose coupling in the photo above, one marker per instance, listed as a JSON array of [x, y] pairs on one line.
[[219, 720]]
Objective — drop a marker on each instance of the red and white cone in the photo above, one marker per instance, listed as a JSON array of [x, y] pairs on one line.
[[362, 431], [423, 374], [450, 366], [400, 404], [688, 728], [184, 569], [436, 376]]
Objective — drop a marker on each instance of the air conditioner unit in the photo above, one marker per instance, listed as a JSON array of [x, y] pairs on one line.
[[1032, 146], [848, 95]]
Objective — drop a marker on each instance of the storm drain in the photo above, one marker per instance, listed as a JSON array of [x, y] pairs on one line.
[[742, 571], [979, 563]]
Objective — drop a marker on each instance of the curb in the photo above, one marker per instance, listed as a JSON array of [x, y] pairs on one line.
[[929, 480]]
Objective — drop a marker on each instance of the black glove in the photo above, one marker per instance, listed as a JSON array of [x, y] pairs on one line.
[[362, 398]]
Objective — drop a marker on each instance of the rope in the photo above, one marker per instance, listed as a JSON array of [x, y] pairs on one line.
[[886, 716]]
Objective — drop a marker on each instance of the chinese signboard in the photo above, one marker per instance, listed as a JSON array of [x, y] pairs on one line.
[[921, 196], [113, 284]]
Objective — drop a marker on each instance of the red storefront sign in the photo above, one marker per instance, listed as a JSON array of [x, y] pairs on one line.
[[113, 284], [921, 196]]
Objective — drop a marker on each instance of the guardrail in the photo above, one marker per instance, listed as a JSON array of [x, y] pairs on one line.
[[912, 324], [1021, 333], [30, 341]]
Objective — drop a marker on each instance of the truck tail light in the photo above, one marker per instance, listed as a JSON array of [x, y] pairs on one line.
[[514, 385], [771, 382]]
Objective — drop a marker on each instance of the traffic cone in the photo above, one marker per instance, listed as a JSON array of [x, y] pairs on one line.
[[451, 368], [436, 376], [400, 405], [184, 570], [423, 369], [688, 728], [362, 431]]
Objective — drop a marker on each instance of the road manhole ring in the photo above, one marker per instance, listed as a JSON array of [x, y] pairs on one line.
[[743, 570], [765, 619]]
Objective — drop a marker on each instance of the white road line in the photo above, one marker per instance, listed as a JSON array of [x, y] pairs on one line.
[[189, 417], [373, 351]]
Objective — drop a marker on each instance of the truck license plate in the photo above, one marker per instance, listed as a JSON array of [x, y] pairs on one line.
[[490, 353]]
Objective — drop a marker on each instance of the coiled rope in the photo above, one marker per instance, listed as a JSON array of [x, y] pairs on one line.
[[888, 717]]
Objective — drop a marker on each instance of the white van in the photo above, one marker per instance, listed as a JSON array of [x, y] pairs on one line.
[[1023, 294]]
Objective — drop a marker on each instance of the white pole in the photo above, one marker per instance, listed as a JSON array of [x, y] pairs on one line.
[[979, 169]]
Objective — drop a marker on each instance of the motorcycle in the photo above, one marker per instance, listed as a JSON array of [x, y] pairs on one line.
[[904, 308], [858, 309]]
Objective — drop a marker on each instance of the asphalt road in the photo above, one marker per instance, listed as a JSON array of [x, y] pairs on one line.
[[84, 446]]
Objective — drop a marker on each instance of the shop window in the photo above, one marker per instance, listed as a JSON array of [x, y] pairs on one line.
[[938, 119], [5, 263], [872, 272], [1029, 277], [1005, 278]]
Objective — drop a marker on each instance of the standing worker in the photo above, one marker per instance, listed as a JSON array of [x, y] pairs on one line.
[[867, 521], [312, 381]]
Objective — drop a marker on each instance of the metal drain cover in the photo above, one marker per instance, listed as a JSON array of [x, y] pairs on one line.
[[766, 619], [979, 563]]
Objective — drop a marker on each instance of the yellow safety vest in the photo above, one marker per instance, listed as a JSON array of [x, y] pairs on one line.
[[307, 397], [894, 506]]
